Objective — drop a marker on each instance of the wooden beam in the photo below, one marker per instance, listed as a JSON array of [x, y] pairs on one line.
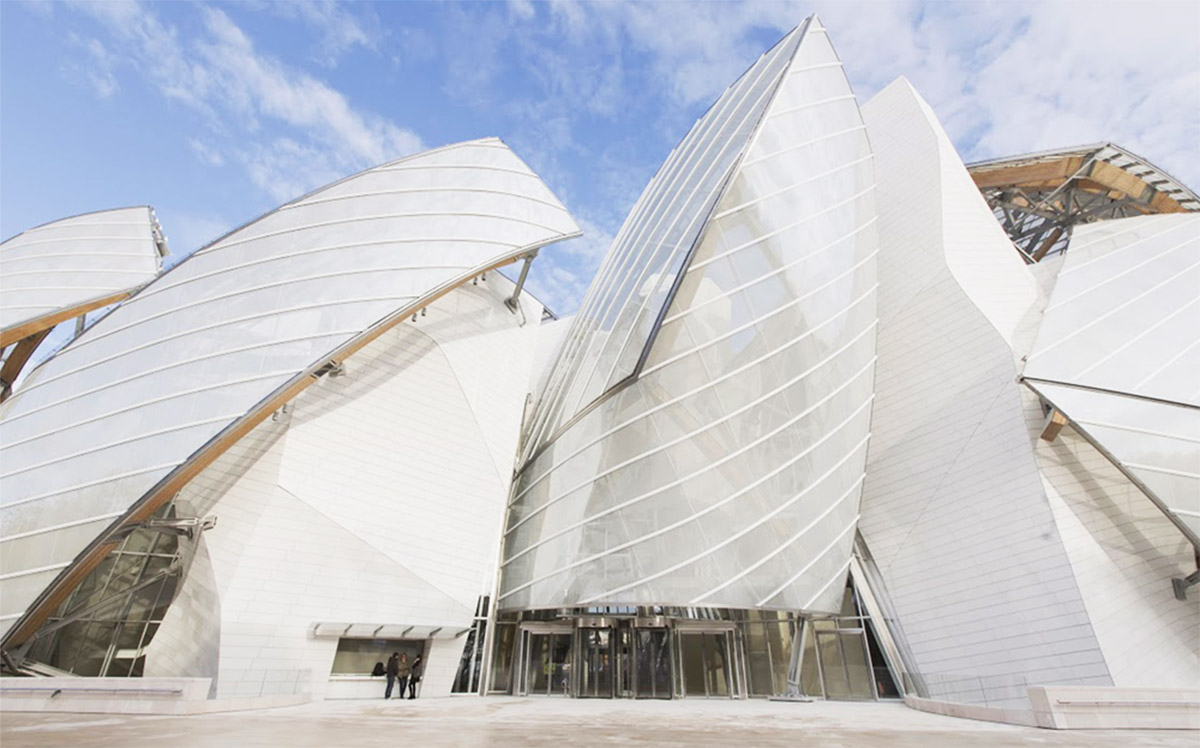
[[17, 360], [1041, 251], [1054, 424], [1038, 172], [46, 321], [169, 486]]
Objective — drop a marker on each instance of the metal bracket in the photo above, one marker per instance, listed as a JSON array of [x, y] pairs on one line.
[[1181, 584]]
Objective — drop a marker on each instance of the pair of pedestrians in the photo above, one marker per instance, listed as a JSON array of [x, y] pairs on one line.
[[399, 669]]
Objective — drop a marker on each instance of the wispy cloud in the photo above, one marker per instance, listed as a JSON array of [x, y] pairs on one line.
[[292, 131], [339, 29]]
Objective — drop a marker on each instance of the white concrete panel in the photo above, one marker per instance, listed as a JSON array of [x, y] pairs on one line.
[[1124, 553], [954, 511]]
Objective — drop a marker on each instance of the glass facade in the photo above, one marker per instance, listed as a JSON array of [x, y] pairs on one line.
[[612, 327], [105, 625], [660, 652], [728, 472]]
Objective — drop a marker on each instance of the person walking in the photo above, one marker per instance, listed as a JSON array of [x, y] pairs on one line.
[[392, 670], [414, 678], [403, 670]]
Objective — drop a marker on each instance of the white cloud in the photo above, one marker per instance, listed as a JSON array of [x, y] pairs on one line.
[[562, 273], [340, 30], [291, 131]]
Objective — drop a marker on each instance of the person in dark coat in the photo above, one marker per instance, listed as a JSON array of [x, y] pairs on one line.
[[414, 678], [403, 671], [393, 670]]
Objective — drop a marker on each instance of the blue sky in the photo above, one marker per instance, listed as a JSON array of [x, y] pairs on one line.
[[215, 113]]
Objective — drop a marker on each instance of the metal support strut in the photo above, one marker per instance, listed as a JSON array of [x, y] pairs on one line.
[[511, 302]]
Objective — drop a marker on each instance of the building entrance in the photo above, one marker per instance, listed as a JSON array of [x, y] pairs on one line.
[[652, 663], [596, 663], [705, 659]]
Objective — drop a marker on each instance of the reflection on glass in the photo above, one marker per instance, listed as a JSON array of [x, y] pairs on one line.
[[596, 663], [654, 664]]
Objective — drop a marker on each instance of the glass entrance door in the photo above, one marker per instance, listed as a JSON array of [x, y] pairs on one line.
[[705, 663], [596, 663], [653, 673], [547, 663]]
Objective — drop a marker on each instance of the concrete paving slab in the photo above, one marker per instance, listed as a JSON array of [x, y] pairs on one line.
[[503, 721]]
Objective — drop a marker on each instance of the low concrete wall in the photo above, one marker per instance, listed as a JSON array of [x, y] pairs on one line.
[[126, 696], [972, 711], [1092, 707]]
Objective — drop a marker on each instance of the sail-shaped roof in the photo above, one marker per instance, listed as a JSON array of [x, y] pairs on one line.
[[68, 267], [105, 431], [1118, 351]]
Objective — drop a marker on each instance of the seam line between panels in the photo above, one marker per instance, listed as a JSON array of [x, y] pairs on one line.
[[804, 531], [56, 271], [89, 484], [1109, 278], [202, 328], [39, 570], [277, 258], [810, 564], [706, 385], [678, 481], [660, 205], [1139, 337], [776, 232], [709, 509], [674, 251], [147, 372], [415, 190], [132, 255], [56, 288], [74, 222], [380, 217], [790, 187], [64, 526], [134, 406], [1114, 310], [1167, 471], [761, 278], [1187, 349], [1077, 248], [109, 445], [756, 320], [811, 105], [1119, 427], [74, 239], [711, 424], [477, 167], [841, 570], [805, 144]]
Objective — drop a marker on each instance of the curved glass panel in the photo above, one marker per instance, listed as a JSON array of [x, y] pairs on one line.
[[610, 332], [728, 473]]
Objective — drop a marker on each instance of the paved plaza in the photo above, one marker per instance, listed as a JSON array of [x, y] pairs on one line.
[[501, 721]]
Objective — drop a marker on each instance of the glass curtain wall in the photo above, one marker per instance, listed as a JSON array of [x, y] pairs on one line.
[[105, 625]]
